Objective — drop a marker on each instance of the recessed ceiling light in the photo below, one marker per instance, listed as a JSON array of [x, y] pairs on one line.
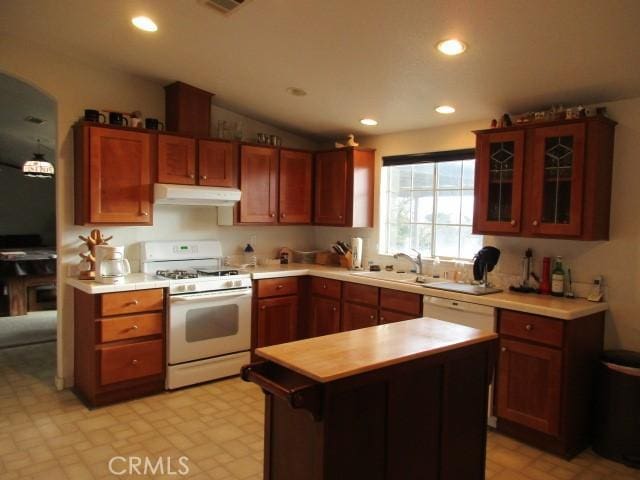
[[144, 23], [451, 46], [445, 109], [296, 92], [370, 122]]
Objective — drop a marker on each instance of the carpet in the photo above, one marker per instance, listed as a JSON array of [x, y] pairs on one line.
[[35, 327]]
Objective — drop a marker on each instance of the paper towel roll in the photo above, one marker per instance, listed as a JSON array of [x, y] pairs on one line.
[[356, 251]]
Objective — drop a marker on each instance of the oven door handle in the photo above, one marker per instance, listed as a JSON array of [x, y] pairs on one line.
[[209, 296]]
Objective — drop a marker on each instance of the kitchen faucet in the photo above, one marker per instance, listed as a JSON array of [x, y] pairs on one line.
[[417, 261]]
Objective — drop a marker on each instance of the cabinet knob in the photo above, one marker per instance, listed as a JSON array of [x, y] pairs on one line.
[[272, 214], [334, 309], [134, 327], [503, 349], [340, 217], [324, 285], [282, 215], [513, 223], [528, 327], [192, 175], [534, 223], [382, 319], [134, 362], [145, 214], [203, 177], [263, 307], [133, 302], [372, 317], [278, 287]]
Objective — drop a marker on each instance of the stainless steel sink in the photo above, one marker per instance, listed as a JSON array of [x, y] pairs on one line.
[[403, 277]]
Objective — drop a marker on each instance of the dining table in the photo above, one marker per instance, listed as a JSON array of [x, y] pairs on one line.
[[25, 268]]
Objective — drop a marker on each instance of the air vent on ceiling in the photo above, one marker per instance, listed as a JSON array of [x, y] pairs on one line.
[[36, 120], [225, 6]]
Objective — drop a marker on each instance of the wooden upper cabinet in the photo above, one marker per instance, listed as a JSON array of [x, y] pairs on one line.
[[498, 182], [176, 159], [113, 176], [295, 184], [331, 188], [344, 185], [558, 177], [217, 163], [258, 182], [549, 179]]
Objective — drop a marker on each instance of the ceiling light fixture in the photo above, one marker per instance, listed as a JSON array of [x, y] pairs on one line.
[[451, 46], [296, 92], [38, 167], [445, 109], [144, 23], [369, 122]]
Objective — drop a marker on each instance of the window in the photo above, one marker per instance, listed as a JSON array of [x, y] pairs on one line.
[[428, 205]]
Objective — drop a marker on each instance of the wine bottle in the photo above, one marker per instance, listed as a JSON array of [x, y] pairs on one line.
[[557, 279]]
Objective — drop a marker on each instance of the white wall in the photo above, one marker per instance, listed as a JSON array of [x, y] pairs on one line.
[[250, 128], [76, 85], [618, 259]]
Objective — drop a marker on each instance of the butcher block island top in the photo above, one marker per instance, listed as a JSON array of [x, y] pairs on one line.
[[332, 357]]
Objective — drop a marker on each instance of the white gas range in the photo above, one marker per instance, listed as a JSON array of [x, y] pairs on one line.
[[209, 331]]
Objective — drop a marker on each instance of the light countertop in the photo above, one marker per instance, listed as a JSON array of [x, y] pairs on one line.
[[331, 357], [133, 281], [561, 308]]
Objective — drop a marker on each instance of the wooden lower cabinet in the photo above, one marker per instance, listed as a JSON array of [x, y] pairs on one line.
[[277, 320], [545, 378], [275, 312], [530, 382], [389, 316], [119, 351], [356, 316], [324, 316]]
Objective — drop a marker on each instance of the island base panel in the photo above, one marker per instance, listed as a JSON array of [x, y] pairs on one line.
[[420, 420]]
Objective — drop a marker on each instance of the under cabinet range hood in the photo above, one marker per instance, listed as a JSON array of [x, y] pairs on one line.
[[168, 194]]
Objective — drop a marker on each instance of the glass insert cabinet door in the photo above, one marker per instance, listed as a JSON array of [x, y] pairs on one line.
[[499, 163], [558, 161]]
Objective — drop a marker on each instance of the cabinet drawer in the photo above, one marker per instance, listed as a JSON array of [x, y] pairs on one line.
[[276, 287], [126, 362], [325, 287], [531, 327], [405, 302], [135, 301], [365, 294], [130, 326]]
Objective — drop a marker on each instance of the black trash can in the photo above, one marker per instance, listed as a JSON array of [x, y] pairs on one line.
[[617, 409]]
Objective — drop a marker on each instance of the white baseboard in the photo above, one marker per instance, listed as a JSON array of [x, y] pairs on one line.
[[61, 383]]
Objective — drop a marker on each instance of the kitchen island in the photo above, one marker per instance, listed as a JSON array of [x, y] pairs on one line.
[[401, 401]]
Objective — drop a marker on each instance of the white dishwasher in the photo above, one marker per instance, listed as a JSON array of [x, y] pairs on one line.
[[469, 314]]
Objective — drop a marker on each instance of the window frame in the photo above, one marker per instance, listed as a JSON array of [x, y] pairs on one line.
[[386, 193]]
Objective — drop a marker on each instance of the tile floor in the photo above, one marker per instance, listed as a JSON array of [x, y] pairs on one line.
[[50, 435]]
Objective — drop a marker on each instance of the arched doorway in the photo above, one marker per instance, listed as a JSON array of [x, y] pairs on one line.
[[28, 260]]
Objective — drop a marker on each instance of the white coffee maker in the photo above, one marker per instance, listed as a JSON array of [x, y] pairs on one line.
[[111, 266]]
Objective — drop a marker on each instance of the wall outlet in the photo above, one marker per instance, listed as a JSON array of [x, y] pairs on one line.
[[596, 293]]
